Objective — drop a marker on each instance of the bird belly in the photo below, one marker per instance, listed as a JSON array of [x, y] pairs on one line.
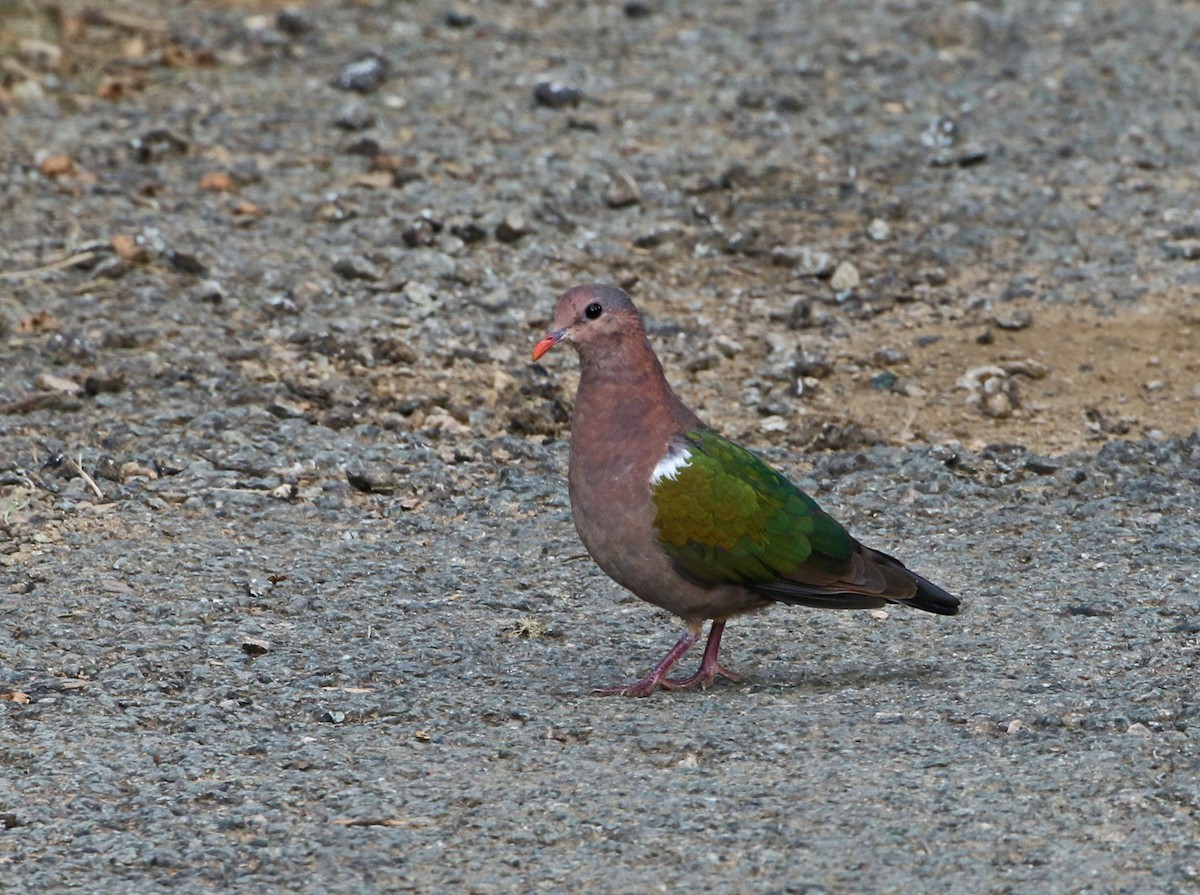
[[624, 544]]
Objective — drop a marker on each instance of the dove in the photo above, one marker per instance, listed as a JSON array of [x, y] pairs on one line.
[[686, 519]]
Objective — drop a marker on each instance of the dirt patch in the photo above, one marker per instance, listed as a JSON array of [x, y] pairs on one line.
[[1131, 372]]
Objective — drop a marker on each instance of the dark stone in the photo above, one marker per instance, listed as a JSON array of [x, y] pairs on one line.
[[557, 95]]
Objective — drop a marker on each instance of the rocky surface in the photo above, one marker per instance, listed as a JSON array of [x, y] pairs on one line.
[[291, 596]]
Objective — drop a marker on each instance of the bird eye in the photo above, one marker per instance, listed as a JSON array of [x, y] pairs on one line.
[[592, 311]]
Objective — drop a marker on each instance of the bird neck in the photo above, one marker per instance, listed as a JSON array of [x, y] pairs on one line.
[[623, 391]]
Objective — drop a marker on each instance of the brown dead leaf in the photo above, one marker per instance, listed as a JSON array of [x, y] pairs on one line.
[[217, 182], [458, 171], [118, 87], [15, 696], [175, 56], [135, 47], [246, 209], [128, 248], [57, 384], [376, 180], [393, 163], [129, 22], [41, 54], [60, 165], [37, 402], [39, 322]]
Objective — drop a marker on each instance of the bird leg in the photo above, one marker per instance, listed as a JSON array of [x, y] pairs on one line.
[[709, 669], [646, 685]]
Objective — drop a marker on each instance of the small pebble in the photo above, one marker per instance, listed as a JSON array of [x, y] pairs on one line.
[[942, 131], [963, 158], [998, 397], [108, 468], [421, 232], [370, 479], [512, 228], [365, 75], [885, 381], [293, 22], [879, 230], [51, 383], [365, 146], [356, 267], [790, 104], [1182, 250], [887, 356], [104, 383], [811, 363], [932, 276], [254, 646], [704, 361], [622, 191], [1034, 369], [1017, 320], [808, 262], [468, 231], [458, 18], [355, 116], [845, 277], [557, 95], [209, 292], [186, 262], [156, 144]]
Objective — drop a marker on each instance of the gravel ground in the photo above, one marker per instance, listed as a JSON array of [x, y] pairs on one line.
[[291, 597]]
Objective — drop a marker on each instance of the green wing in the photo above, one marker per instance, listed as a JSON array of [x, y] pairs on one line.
[[725, 516]]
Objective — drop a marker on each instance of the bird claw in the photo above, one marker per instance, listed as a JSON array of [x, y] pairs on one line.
[[702, 679], [710, 669], [644, 687]]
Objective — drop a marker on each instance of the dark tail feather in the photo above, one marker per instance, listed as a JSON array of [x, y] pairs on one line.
[[868, 580], [932, 598]]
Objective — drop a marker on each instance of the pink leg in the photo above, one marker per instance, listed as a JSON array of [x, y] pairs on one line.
[[710, 668], [646, 685]]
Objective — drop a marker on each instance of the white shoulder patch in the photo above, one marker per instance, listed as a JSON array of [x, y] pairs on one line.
[[676, 459]]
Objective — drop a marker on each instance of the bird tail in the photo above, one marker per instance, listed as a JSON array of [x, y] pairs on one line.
[[932, 598]]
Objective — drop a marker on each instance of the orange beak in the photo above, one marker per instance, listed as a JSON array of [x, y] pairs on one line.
[[552, 339]]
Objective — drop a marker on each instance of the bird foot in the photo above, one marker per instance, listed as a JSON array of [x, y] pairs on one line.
[[703, 679], [643, 687], [710, 669]]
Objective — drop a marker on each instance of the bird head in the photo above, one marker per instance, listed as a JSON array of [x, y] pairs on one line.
[[588, 314]]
